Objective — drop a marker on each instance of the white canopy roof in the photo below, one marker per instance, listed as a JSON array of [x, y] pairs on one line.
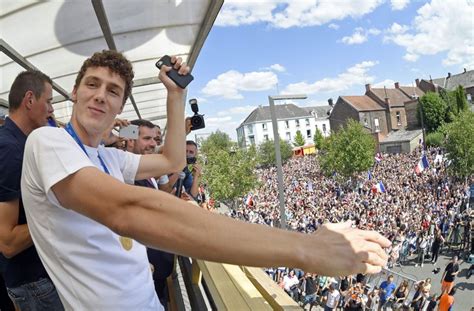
[[57, 36]]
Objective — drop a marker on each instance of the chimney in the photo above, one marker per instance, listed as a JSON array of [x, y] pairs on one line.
[[367, 87], [417, 81], [449, 75], [330, 102], [397, 85], [465, 70]]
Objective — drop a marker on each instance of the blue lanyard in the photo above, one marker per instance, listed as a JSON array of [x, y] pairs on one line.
[[71, 132]]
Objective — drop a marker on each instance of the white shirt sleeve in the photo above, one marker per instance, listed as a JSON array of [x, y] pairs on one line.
[[51, 155], [163, 180]]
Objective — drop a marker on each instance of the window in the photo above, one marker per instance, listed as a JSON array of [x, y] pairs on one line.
[[288, 136], [264, 126], [399, 121], [250, 129], [265, 137], [252, 140], [366, 122], [469, 97], [324, 128], [297, 122], [287, 124], [377, 125], [308, 133], [307, 122]]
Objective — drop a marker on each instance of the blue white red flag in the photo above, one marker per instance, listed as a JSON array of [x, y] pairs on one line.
[[422, 164], [380, 187]]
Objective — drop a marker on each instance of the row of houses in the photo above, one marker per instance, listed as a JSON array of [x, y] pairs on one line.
[[388, 113]]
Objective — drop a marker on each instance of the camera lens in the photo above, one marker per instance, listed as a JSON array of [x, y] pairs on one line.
[[196, 121]]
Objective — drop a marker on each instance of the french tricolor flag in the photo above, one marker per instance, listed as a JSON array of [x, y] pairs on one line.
[[378, 158], [422, 165], [380, 187]]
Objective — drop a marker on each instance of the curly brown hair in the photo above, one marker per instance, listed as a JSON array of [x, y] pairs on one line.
[[113, 60]]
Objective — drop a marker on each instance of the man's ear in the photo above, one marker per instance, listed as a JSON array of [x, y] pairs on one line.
[[28, 100], [74, 95]]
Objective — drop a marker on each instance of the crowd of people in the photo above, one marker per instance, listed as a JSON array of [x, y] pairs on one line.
[[419, 212]]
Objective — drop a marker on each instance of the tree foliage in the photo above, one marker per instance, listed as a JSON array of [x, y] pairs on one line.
[[434, 111], [228, 171], [349, 151], [299, 139], [217, 140], [318, 139], [266, 152], [435, 139], [460, 145]]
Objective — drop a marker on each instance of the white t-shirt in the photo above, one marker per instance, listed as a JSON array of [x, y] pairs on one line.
[[333, 298], [85, 259]]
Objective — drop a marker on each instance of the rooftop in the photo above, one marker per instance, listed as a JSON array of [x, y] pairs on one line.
[[285, 111], [362, 103], [399, 136]]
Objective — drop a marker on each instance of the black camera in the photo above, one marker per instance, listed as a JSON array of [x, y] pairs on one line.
[[197, 120], [191, 160]]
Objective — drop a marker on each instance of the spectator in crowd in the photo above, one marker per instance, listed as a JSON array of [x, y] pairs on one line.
[[291, 284], [400, 295], [373, 300], [386, 289], [450, 272], [446, 301], [436, 246], [310, 290], [27, 281], [81, 207], [332, 298]]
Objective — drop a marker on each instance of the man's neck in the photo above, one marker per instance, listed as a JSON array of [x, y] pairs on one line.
[[85, 137], [22, 122]]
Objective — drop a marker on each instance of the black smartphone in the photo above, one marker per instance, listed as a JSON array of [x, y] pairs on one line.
[[180, 80]]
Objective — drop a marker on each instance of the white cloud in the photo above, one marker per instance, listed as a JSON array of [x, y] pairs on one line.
[[398, 29], [224, 124], [360, 36], [236, 111], [333, 26], [439, 27], [231, 83], [278, 67], [399, 4], [356, 38], [355, 75], [389, 83], [286, 14], [411, 57]]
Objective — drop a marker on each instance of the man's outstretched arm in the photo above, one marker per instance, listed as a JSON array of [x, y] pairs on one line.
[[160, 220]]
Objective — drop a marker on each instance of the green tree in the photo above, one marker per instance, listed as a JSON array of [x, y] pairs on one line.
[[266, 152], [349, 151], [299, 139], [228, 171], [217, 140], [460, 145], [434, 111], [318, 139], [460, 99], [435, 139]]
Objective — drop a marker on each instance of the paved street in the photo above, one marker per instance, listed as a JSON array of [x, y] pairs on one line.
[[464, 298]]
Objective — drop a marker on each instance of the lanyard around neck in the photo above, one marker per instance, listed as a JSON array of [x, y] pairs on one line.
[[73, 134]]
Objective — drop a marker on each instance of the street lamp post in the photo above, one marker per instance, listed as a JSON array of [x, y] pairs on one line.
[[271, 100]]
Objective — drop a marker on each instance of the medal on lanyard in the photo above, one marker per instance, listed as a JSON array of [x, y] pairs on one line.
[[127, 243]]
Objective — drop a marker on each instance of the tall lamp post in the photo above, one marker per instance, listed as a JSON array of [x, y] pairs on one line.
[[271, 100]]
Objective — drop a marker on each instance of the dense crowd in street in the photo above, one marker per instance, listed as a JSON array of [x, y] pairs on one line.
[[419, 212]]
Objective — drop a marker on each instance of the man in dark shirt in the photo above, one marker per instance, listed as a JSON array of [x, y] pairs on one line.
[[447, 281], [27, 282], [311, 289]]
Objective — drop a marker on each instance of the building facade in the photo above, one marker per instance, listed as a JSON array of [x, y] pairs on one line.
[[258, 128]]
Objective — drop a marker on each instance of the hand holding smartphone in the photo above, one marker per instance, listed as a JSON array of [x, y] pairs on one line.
[[130, 132], [181, 80]]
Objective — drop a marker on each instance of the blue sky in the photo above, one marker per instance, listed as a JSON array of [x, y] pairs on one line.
[[324, 48]]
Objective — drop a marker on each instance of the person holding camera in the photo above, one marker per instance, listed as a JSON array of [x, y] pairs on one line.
[[192, 171]]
